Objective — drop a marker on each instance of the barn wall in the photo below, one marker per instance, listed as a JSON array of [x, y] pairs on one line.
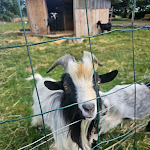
[[93, 4], [37, 13], [94, 15], [101, 4]]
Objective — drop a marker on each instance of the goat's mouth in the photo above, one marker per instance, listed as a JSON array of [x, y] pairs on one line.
[[89, 118]]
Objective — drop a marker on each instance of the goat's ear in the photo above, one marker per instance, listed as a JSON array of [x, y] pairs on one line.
[[108, 76], [53, 85]]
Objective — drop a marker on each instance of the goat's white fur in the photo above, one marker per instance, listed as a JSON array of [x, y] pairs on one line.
[[122, 102], [123, 105], [50, 100], [82, 76]]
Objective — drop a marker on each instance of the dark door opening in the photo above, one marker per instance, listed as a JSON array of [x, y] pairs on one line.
[[64, 10], [68, 14]]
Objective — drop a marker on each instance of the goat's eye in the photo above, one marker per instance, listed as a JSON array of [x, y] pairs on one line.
[[66, 88], [98, 83]]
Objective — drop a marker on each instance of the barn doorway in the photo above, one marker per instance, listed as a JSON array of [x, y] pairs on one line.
[[64, 9]]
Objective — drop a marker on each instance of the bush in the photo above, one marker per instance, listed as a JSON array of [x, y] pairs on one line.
[[140, 14], [9, 8], [4, 17]]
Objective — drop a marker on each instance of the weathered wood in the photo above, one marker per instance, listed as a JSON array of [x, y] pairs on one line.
[[37, 13], [93, 4], [98, 17], [81, 4], [107, 4], [57, 35], [100, 4], [94, 15]]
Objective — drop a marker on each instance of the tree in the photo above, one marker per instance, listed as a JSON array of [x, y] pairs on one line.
[[122, 9], [142, 4], [9, 8]]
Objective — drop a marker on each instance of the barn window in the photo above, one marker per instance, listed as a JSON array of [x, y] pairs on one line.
[[81, 3]]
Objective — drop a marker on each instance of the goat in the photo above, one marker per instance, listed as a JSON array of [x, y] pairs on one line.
[[76, 86], [121, 105], [103, 27], [51, 22]]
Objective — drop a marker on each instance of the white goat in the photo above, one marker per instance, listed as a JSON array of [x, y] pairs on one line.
[[76, 86], [121, 105]]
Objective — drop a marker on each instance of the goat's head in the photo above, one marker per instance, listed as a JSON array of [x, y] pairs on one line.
[[53, 15], [98, 23], [79, 85]]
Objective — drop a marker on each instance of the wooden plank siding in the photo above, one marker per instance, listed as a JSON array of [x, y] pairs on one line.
[[93, 4], [100, 4], [37, 13], [97, 10], [94, 15]]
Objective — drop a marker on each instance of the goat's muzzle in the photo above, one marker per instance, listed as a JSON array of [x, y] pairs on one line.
[[89, 111]]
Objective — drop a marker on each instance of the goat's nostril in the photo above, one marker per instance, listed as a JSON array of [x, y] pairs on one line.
[[88, 107]]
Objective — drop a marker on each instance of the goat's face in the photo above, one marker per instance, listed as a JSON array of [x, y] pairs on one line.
[[79, 86], [82, 78], [53, 15]]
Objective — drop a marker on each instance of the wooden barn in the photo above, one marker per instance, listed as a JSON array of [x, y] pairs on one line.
[[71, 15]]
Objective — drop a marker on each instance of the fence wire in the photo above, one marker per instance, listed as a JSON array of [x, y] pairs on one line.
[[65, 38], [17, 119], [133, 15], [27, 45]]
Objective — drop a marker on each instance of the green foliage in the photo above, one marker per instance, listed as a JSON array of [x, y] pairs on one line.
[[11, 27], [142, 4], [9, 8], [124, 8], [140, 14], [121, 9]]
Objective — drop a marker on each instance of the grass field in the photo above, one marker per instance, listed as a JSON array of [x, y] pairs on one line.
[[128, 21], [114, 51]]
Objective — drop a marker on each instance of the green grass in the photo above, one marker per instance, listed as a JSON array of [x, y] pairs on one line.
[[128, 21], [114, 51]]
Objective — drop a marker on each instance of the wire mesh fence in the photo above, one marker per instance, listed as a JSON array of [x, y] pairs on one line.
[[27, 45]]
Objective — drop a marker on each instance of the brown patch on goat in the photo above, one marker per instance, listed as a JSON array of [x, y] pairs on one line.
[[84, 71]]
